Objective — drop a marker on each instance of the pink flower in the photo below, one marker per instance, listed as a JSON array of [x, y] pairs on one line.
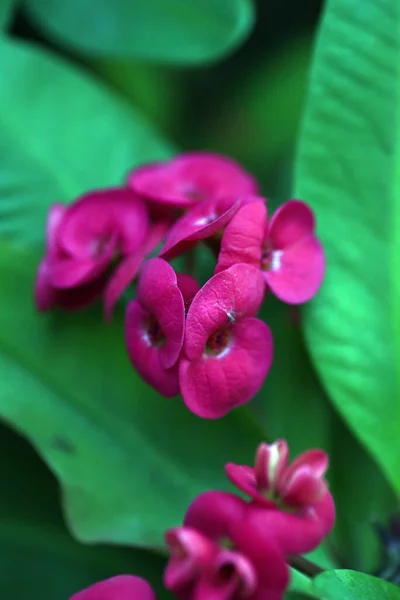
[[301, 511], [83, 240], [227, 352], [121, 587], [155, 323], [189, 178], [213, 556], [286, 249]]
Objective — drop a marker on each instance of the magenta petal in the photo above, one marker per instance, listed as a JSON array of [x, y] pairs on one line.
[[299, 272], [293, 533], [304, 488], [292, 222], [203, 221], [144, 356], [45, 294], [189, 288], [270, 464], [212, 385], [266, 557], [122, 277], [243, 237], [159, 294], [98, 216], [121, 587], [226, 298], [215, 514], [54, 218], [70, 272], [190, 178]]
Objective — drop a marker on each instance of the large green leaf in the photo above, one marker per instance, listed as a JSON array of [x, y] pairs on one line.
[[6, 8], [129, 460], [351, 585], [175, 31], [37, 555], [62, 133], [346, 171]]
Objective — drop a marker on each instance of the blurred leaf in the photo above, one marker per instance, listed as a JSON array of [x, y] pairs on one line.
[[75, 136], [6, 8], [37, 555], [293, 407], [174, 31], [129, 460], [345, 170], [259, 122], [350, 585], [154, 89], [363, 498]]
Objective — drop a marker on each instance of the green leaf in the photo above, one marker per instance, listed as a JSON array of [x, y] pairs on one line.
[[6, 9], [174, 31], [36, 551], [346, 171], [129, 460], [301, 583], [77, 135], [351, 585]]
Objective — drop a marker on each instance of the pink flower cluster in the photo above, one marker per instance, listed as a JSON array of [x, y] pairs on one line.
[[230, 549], [205, 343]]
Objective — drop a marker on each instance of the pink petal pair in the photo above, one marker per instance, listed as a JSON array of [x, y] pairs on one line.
[[189, 178], [285, 249], [83, 240], [155, 325], [219, 355]]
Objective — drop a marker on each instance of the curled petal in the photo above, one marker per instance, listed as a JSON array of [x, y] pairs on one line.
[[293, 533], [121, 587], [47, 296], [304, 488], [145, 356], [232, 576], [270, 464], [244, 236], [45, 293], [303, 481], [159, 294], [201, 222], [127, 270], [225, 299], [213, 385], [297, 272], [292, 222], [190, 178], [98, 216], [190, 554], [54, 218], [215, 514], [122, 277]]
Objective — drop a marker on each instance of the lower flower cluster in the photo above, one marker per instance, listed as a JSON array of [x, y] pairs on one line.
[[205, 343], [232, 549]]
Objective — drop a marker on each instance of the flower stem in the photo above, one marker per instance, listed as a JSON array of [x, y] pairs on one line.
[[305, 566]]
